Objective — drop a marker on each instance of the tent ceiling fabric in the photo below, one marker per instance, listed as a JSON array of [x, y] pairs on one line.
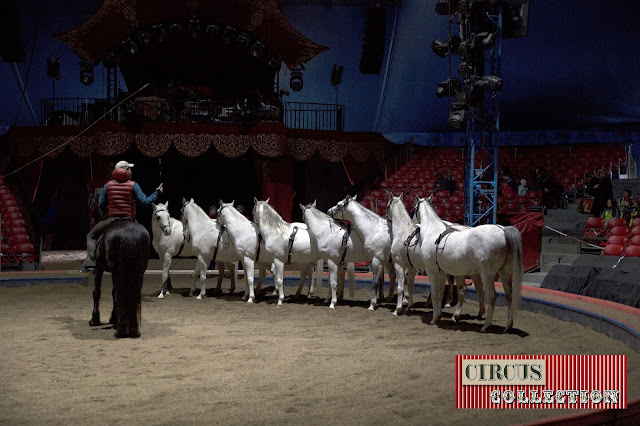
[[116, 19]]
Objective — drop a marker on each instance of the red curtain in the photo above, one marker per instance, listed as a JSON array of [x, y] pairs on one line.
[[530, 226]]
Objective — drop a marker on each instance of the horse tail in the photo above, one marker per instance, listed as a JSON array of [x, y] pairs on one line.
[[351, 271], [514, 248]]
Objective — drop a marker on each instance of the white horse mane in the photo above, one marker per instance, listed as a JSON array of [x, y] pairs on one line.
[[370, 215], [404, 220], [320, 215], [271, 222]]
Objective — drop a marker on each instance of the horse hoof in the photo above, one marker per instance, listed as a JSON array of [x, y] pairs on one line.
[[395, 313], [250, 300], [371, 308], [120, 334], [279, 302], [332, 306], [199, 297], [94, 323], [135, 334], [433, 322], [161, 296], [484, 329]]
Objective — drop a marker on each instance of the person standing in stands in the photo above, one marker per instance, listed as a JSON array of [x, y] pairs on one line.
[[118, 198], [601, 189], [523, 188]]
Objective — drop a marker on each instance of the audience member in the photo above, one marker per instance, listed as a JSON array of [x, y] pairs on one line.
[[626, 195], [440, 183], [451, 182], [536, 179], [551, 191], [506, 178], [626, 209], [523, 188], [635, 210], [601, 189], [611, 210], [213, 211]]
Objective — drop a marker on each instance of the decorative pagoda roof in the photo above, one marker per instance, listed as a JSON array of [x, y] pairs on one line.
[[117, 19]]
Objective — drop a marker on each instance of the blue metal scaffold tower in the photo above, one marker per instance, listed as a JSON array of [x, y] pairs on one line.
[[476, 104]]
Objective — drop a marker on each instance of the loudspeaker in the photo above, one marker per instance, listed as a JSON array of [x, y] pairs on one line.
[[336, 75], [515, 18], [375, 24], [53, 68]]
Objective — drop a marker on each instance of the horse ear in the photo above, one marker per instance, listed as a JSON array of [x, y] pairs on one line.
[[166, 205], [255, 200], [400, 197], [184, 201], [154, 206], [302, 207], [192, 201], [267, 200], [313, 204], [429, 199], [233, 202], [221, 203], [354, 197]]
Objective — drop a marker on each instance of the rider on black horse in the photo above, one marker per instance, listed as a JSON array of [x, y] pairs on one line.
[[118, 197]]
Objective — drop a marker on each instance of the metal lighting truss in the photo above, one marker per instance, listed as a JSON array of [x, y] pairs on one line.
[[483, 135]]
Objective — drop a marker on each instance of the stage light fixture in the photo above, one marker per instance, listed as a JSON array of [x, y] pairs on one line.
[[243, 41], [442, 49], [457, 118], [213, 31], [229, 35], [443, 7], [466, 46], [86, 73], [296, 80], [448, 88], [465, 69], [175, 31], [194, 28], [491, 82], [485, 39], [111, 59], [257, 49], [130, 47], [159, 33]]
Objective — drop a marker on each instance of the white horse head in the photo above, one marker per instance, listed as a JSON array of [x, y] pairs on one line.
[[341, 205], [223, 205], [162, 217]]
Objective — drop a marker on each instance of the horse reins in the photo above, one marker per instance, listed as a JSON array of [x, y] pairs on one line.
[[215, 252], [345, 241], [408, 245], [291, 238]]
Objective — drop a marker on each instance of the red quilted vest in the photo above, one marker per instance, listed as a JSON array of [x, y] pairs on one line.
[[121, 200]]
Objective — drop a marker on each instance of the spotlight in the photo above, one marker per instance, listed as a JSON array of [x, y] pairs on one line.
[[466, 46], [175, 31], [213, 31], [465, 70], [443, 7], [111, 59], [194, 28], [159, 33], [486, 39], [243, 40], [457, 118], [86, 73], [130, 47], [448, 88], [491, 82], [257, 49], [229, 35], [440, 48], [296, 81]]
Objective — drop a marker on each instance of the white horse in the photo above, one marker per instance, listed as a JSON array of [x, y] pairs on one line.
[[208, 242], [169, 241], [337, 245], [245, 238], [283, 242], [484, 250], [407, 256], [375, 232]]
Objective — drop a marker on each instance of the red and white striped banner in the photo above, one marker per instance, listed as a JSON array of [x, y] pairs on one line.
[[541, 381]]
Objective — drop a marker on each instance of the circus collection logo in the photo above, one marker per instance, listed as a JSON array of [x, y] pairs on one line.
[[541, 381]]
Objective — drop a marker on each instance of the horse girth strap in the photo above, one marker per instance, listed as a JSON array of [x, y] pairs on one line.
[[345, 240], [184, 240], [447, 230], [408, 243], [291, 239], [215, 252]]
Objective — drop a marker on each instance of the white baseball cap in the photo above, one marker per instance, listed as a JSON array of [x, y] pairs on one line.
[[123, 165]]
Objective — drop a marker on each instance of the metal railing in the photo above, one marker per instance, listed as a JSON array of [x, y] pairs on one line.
[[314, 116], [295, 115]]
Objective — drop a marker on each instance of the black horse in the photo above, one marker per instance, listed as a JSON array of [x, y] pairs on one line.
[[122, 250]]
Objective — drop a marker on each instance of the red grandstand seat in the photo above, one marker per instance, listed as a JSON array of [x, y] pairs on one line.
[[457, 200], [636, 222], [593, 227], [443, 194], [617, 239], [7, 210], [634, 230], [616, 221], [511, 206], [634, 241], [448, 206], [6, 256], [523, 203], [613, 250], [440, 211], [632, 251], [535, 198], [618, 230], [16, 230]]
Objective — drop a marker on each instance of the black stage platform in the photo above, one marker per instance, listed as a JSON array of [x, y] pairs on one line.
[[595, 276]]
